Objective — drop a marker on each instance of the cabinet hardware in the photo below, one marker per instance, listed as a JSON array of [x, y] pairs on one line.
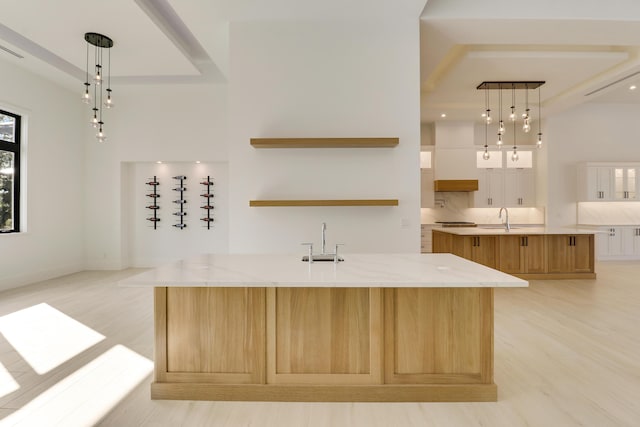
[[526, 240]]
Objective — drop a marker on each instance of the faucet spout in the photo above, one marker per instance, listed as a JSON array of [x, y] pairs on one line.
[[324, 232], [507, 226]]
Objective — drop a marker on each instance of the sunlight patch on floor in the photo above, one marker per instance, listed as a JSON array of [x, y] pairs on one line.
[[87, 395], [46, 337], [7, 383]]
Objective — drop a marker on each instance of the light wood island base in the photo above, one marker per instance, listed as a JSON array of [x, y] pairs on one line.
[[330, 344]]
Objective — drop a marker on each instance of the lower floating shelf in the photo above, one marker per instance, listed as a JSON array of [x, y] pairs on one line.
[[357, 202]]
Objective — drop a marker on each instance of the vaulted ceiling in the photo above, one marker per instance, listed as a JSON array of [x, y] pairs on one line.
[[585, 51]]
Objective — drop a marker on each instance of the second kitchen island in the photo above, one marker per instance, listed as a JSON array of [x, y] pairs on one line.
[[526, 252], [376, 327]]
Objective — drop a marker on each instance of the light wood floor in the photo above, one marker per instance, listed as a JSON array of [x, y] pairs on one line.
[[567, 353]]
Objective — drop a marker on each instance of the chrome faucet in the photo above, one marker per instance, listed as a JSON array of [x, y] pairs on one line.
[[324, 232], [507, 226]]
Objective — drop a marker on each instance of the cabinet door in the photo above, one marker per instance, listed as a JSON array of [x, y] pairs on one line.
[[519, 188], [599, 183], [624, 183], [560, 253], [483, 250], [582, 253], [490, 189], [536, 254], [442, 242], [509, 254], [635, 238]]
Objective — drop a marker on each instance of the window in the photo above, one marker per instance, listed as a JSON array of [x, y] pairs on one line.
[[9, 172]]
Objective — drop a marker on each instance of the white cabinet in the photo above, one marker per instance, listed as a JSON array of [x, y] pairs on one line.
[[519, 188], [600, 182], [490, 192], [426, 231], [625, 183], [426, 188], [618, 242]]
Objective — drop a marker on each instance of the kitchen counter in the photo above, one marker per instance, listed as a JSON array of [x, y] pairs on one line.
[[526, 252], [516, 230], [358, 270], [374, 328]]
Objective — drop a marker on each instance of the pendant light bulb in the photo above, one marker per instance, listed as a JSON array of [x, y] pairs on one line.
[[488, 117], [100, 136], [97, 79], [515, 156], [94, 120], [499, 142], [539, 143], [109, 102], [486, 155], [86, 96], [501, 127], [526, 126]]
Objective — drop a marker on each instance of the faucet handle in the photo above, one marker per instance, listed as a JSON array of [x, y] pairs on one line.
[[310, 259], [336, 258]]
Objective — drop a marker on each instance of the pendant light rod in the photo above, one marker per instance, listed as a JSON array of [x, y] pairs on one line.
[[497, 85]]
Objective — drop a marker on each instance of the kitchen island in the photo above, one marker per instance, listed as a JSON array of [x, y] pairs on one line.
[[376, 327], [526, 252]]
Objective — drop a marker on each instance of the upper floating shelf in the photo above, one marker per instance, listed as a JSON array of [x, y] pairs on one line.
[[324, 142], [357, 202]]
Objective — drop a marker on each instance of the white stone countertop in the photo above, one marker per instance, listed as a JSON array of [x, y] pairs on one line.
[[357, 270], [499, 230]]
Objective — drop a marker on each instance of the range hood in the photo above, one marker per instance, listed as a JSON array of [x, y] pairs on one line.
[[455, 185]]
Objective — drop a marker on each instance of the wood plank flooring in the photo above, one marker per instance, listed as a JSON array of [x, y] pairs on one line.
[[567, 353]]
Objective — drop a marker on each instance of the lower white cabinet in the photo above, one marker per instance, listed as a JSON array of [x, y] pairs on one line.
[[618, 242], [426, 238]]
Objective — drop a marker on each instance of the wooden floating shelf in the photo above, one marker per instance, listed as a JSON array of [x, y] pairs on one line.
[[324, 142], [358, 202]]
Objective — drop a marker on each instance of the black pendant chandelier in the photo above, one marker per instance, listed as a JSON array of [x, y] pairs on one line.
[[526, 118], [99, 98]]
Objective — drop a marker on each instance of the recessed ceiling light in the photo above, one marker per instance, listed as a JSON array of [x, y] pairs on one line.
[[158, 162], [443, 115], [198, 162], [632, 87], [483, 114]]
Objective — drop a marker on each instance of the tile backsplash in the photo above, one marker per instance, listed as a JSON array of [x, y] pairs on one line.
[[457, 206]]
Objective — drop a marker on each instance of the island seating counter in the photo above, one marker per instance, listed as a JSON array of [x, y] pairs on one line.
[[374, 328]]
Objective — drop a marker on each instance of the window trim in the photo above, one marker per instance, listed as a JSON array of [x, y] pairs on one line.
[[15, 148]]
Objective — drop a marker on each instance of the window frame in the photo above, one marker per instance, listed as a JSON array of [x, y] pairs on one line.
[[15, 148]]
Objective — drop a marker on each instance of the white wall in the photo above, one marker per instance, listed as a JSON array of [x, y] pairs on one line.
[[592, 132], [324, 79], [52, 186], [176, 123], [149, 247]]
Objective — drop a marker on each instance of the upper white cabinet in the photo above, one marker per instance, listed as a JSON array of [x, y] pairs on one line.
[[608, 182], [426, 179], [490, 192], [625, 183], [519, 188], [510, 186]]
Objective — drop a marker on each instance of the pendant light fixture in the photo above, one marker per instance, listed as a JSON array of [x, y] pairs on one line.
[[526, 117], [500, 122], [486, 154], [539, 142], [99, 43], [526, 126]]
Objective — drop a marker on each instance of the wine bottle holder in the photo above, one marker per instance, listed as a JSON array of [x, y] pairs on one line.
[[181, 202], [208, 195], [153, 183]]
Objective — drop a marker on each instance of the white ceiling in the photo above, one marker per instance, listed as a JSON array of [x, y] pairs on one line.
[[585, 51], [576, 46]]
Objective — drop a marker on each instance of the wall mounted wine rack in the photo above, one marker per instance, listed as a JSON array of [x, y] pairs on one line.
[[154, 206], [208, 195], [181, 202]]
